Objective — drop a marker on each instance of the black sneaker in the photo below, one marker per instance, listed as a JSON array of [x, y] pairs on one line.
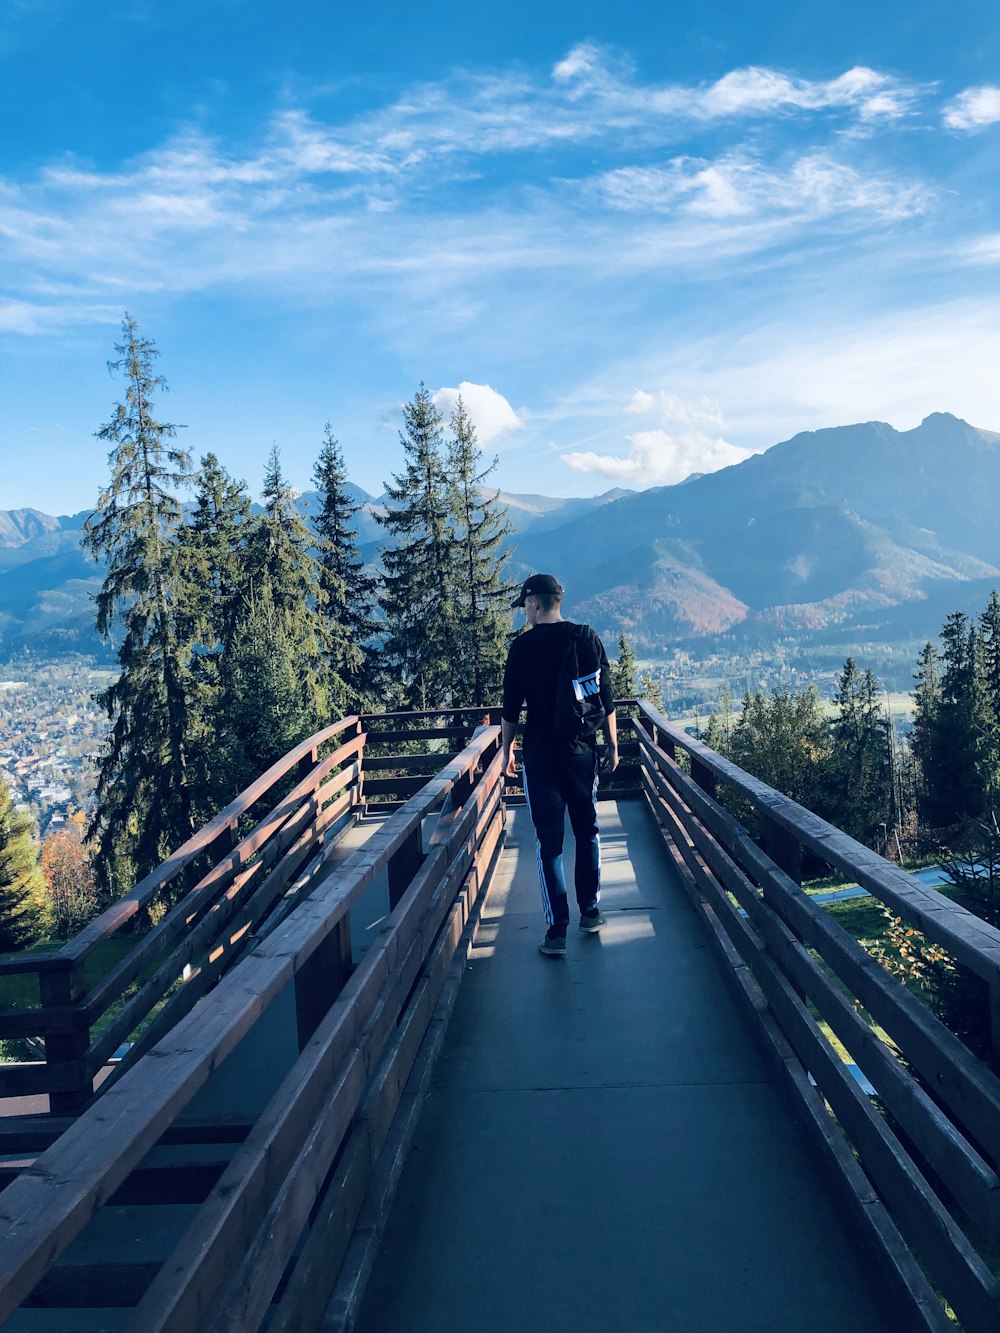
[[554, 946], [593, 921]]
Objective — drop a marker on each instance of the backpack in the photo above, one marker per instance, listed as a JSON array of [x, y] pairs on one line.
[[578, 712]]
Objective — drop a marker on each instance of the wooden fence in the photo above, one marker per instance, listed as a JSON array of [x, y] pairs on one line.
[[211, 895], [277, 1211], [918, 1159]]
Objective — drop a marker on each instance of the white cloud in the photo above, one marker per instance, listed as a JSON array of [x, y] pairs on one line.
[[983, 250], [393, 201], [785, 375], [973, 109], [756, 91], [492, 415], [580, 62], [675, 411], [739, 186], [640, 403], [656, 458]]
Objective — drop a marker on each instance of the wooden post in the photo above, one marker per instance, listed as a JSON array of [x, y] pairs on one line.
[[703, 776], [404, 864], [62, 989], [321, 979], [783, 848], [995, 1026]]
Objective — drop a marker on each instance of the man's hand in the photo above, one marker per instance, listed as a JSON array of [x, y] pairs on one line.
[[509, 770], [609, 759]]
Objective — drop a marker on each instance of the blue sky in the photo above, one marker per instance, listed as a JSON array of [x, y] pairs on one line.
[[642, 240]]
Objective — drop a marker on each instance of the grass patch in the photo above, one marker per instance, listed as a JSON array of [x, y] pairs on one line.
[[21, 991]]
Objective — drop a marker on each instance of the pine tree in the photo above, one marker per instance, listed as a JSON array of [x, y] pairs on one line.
[[719, 731], [263, 709], [272, 680], [144, 807], [22, 888], [961, 723], [623, 670], [213, 555], [418, 585], [346, 591], [925, 742], [284, 575], [860, 777], [989, 638], [649, 689], [481, 597], [212, 563]]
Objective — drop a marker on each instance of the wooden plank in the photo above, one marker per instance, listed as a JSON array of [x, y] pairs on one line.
[[45, 1210], [312, 1279], [342, 1310], [32, 1078], [184, 1294], [970, 1287], [959, 1080], [973, 941], [418, 762], [231, 916], [378, 739], [225, 1234], [126, 907], [897, 1267], [213, 885], [408, 786], [970, 1179], [964, 1278], [37, 1022]]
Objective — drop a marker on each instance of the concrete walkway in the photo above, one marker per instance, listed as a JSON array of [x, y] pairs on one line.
[[604, 1149]]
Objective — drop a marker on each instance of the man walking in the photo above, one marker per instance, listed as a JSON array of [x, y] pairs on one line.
[[559, 775]]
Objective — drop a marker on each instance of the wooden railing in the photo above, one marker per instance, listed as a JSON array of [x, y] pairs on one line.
[[213, 893], [268, 1239], [918, 1160]]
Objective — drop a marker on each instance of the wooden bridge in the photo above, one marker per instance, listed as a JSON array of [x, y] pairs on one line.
[[313, 1074]]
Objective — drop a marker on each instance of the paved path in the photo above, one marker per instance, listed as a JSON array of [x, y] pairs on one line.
[[605, 1149]]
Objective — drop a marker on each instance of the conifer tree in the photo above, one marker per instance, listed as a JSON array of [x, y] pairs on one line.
[[719, 732], [144, 805], [272, 686], [418, 586], [623, 670], [346, 591], [860, 781], [284, 575], [22, 889], [784, 741], [263, 708], [961, 723], [649, 689], [989, 639], [925, 741], [212, 561], [481, 598], [213, 555]]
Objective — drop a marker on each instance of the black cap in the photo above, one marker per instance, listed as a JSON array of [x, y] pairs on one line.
[[537, 584]]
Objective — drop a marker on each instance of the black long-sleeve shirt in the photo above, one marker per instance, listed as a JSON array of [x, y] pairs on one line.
[[530, 679]]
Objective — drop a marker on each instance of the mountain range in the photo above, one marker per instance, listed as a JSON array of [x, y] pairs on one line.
[[855, 531]]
